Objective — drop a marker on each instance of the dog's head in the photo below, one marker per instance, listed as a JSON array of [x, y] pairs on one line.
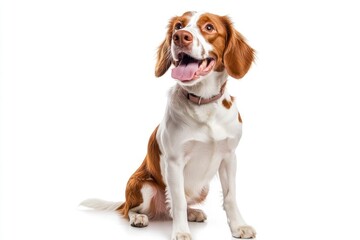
[[198, 44]]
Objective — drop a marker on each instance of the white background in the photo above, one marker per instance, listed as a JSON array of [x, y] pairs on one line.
[[79, 101]]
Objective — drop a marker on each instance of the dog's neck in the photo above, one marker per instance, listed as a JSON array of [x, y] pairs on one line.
[[209, 87], [201, 101]]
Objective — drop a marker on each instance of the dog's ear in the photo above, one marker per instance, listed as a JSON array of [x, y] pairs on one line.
[[164, 59], [238, 55]]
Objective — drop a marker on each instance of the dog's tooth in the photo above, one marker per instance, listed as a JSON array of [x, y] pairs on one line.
[[203, 64]]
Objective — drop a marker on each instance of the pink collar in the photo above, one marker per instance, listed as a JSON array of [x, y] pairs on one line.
[[199, 100]]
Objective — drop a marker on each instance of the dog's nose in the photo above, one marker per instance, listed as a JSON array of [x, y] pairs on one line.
[[182, 38]]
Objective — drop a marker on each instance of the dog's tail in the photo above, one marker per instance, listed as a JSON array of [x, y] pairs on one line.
[[101, 205]]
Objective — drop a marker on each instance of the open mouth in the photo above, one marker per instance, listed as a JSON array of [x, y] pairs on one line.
[[189, 68]]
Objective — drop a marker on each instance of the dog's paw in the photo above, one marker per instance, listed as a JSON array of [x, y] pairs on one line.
[[196, 215], [182, 236], [139, 220], [244, 231]]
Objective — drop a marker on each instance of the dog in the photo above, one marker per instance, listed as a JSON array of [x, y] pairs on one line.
[[199, 133]]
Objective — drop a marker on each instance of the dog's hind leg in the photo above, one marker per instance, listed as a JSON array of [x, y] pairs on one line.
[[153, 206], [137, 215]]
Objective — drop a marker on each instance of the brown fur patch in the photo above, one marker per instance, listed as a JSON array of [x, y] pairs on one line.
[[227, 104], [239, 118], [148, 173], [238, 55]]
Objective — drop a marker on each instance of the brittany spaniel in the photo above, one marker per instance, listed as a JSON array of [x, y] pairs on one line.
[[200, 130]]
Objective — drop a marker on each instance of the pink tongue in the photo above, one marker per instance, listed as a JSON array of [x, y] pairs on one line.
[[185, 72]]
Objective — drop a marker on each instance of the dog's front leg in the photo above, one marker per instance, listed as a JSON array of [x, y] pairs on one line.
[[175, 185], [227, 173]]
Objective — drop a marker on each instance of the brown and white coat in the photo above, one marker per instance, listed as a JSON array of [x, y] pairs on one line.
[[200, 131]]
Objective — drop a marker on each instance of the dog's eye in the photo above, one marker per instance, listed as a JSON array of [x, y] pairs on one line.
[[178, 26], [209, 27]]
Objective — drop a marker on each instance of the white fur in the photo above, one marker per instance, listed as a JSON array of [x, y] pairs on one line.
[[99, 204]]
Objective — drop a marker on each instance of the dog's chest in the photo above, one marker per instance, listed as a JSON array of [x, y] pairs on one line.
[[199, 138], [214, 124], [211, 143]]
